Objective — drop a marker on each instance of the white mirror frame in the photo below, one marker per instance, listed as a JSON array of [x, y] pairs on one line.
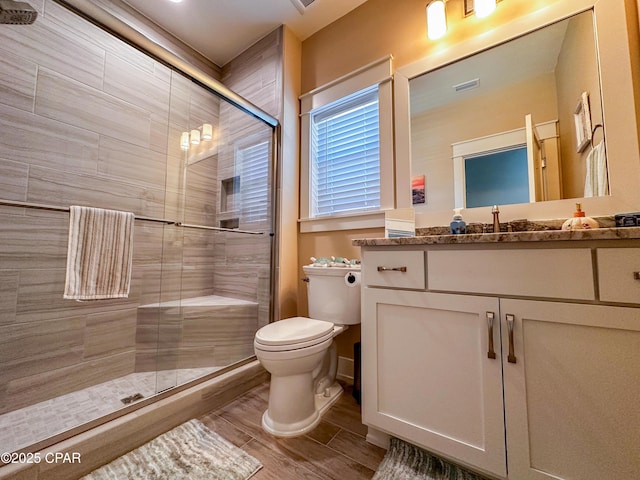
[[621, 123]]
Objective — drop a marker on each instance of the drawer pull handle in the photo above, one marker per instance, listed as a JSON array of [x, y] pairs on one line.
[[491, 352], [512, 355], [636, 275], [392, 269]]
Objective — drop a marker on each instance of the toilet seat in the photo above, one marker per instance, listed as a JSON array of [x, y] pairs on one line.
[[292, 334]]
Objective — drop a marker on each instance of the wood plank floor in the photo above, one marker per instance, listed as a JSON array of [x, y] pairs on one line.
[[336, 449]]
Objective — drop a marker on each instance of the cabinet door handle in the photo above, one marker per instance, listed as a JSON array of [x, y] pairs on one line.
[[392, 269], [490, 317], [510, 322], [636, 275]]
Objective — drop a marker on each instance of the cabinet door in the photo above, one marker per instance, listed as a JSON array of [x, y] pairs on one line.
[[572, 397], [426, 375]]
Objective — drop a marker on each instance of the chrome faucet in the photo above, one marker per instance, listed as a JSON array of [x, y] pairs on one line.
[[495, 211]]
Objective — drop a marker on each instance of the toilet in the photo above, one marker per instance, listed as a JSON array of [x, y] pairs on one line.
[[300, 353]]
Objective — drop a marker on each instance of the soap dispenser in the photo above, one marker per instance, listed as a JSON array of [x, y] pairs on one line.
[[457, 224], [579, 221]]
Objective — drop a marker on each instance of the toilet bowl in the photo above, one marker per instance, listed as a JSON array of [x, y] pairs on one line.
[[300, 353]]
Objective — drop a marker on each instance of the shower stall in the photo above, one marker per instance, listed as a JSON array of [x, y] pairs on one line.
[[88, 119]]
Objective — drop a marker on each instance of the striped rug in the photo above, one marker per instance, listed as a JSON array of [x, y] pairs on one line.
[[408, 462], [189, 451]]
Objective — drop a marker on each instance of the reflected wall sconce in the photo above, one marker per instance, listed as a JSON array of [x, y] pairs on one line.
[[436, 19], [207, 131], [195, 136], [184, 141], [437, 15], [482, 8]]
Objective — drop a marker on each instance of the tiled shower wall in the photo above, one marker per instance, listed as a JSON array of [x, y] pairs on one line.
[[86, 119]]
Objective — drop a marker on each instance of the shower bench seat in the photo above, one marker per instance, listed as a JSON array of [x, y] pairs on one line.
[[206, 331]]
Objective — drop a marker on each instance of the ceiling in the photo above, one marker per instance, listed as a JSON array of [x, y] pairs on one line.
[[222, 29]]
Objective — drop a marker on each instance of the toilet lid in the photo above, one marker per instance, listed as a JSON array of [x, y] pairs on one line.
[[293, 330]]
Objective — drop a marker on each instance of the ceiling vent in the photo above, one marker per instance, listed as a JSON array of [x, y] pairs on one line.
[[301, 5], [468, 85]]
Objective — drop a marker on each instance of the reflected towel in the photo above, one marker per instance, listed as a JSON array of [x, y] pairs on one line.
[[100, 254], [596, 183]]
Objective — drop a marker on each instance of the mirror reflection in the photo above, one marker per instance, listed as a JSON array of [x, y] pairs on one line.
[[517, 123]]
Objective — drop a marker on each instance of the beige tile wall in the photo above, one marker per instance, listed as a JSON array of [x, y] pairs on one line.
[[255, 74], [87, 119]]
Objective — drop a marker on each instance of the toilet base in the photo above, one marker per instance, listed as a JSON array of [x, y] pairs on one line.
[[322, 404]]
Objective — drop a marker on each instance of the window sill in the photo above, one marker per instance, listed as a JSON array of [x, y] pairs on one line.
[[352, 221]]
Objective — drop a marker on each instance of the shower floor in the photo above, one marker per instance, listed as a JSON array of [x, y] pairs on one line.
[[32, 424]]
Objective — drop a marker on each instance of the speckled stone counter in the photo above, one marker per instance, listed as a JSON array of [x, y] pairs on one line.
[[507, 237]]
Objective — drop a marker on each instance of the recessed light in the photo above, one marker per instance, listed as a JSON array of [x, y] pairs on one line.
[[176, 1]]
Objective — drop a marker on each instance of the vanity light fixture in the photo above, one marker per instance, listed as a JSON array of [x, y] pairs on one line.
[[484, 8], [437, 16], [436, 19]]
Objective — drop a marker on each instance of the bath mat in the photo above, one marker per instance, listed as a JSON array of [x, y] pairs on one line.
[[189, 451], [404, 461]]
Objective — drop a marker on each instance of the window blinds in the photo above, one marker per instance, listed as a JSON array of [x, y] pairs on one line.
[[345, 166]]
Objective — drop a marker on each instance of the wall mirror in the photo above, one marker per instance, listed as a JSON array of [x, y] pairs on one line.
[[516, 117], [499, 128]]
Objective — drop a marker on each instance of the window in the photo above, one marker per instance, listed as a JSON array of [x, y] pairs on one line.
[[252, 162], [347, 176], [345, 155]]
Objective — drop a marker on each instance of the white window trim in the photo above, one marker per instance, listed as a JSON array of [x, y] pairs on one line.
[[376, 73]]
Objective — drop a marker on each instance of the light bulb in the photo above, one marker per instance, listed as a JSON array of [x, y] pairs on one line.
[[484, 8], [436, 19], [195, 137]]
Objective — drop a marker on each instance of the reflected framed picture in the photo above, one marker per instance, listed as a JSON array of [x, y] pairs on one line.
[[582, 121], [418, 190]]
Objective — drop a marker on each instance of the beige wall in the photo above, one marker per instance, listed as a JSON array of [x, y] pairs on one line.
[[576, 74], [287, 301], [381, 27]]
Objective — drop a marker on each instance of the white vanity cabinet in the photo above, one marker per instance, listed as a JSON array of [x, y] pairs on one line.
[[426, 375], [572, 396], [560, 400]]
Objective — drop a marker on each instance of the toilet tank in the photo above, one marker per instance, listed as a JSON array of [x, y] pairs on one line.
[[334, 293]]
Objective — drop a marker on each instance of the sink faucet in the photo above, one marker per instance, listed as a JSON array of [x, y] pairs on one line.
[[495, 211]]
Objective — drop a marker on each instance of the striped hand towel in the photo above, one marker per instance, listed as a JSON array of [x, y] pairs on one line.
[[100, 254]]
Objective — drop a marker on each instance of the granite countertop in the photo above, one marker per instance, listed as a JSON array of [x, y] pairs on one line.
[[506, 237]]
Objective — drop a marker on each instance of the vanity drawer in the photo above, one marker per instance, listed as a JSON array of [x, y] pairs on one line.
[[547, 273], [396, 269], [617, 272]]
